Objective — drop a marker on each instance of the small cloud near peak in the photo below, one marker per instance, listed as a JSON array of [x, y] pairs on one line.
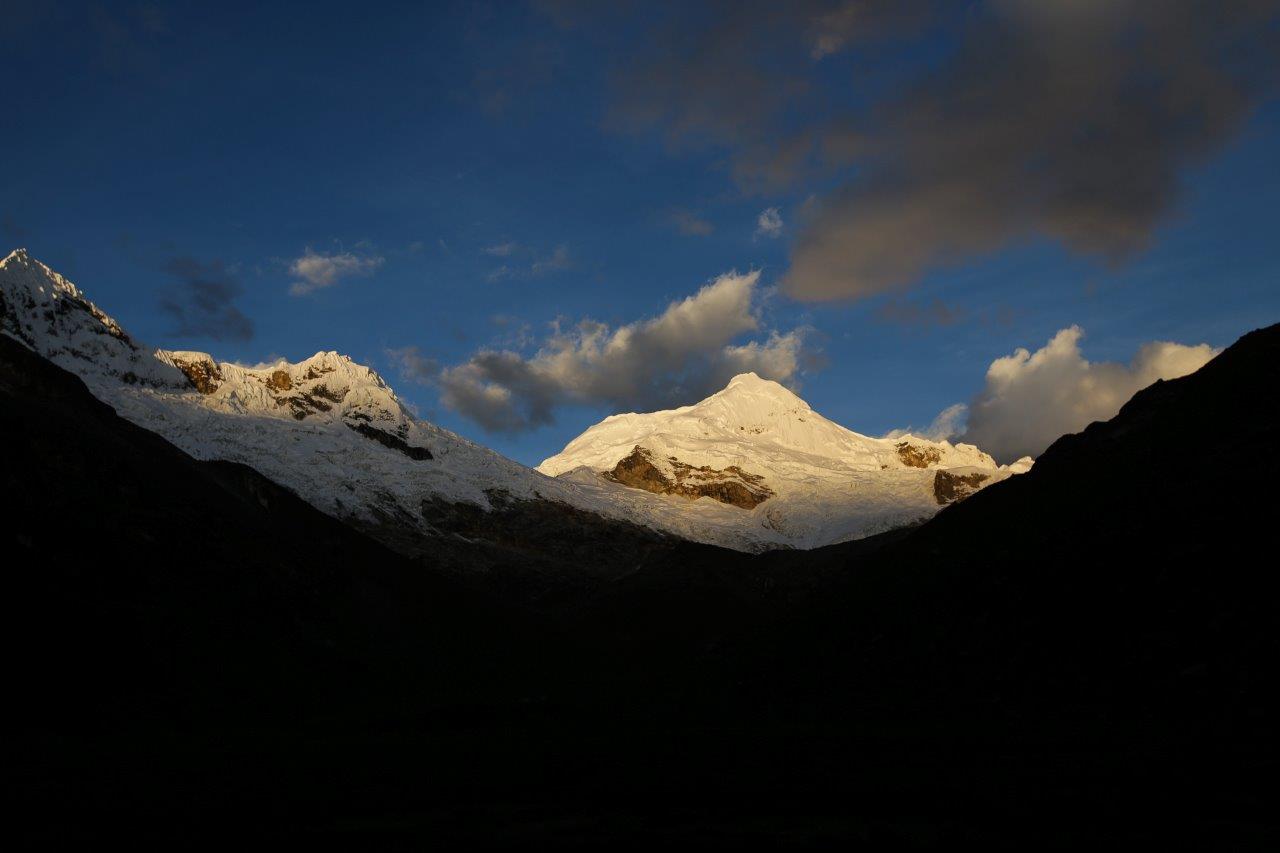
[[314, 270]]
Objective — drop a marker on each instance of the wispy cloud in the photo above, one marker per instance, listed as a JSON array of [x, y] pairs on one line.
[[949, 423], [314, 270], [203, 301], [529, 264], [932, 313], [412, 365], [502, 250], [558, 260], [690, 224], [769, 223]]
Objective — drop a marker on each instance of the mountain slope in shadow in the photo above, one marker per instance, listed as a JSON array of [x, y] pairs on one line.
[[1077, 655], [1131, 562], [1087, 646], [139, 580]]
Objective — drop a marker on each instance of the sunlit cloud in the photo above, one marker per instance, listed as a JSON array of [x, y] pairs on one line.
[[316, 271], [688, 351], [1030, 399]]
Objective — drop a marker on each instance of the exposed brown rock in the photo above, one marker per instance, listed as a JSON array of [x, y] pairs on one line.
[[949, 487], [917, 457], [280, 380], [203, 374], [730, 485]]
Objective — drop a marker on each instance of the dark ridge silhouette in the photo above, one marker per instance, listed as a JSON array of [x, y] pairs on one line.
[[1079, 655]]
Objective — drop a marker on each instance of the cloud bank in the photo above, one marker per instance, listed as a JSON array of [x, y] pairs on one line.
[[316, 271], [687, 352], [1067, 120], [1030, 399]]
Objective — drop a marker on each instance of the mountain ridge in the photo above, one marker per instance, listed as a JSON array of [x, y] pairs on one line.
[[335, 432], [1084, 650]]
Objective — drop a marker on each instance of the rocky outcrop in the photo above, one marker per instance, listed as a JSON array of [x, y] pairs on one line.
[[917, 457], [395, 442], [318, 399], [949, 487], [280, 380], [203, 373], [729, 485]]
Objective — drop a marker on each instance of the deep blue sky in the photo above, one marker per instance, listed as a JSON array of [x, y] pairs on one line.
[[136, 135]]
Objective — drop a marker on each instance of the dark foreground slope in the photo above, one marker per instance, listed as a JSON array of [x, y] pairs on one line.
[[1082, 654], [166, 621], [1086, 651], [1131, 569], [136, 572]]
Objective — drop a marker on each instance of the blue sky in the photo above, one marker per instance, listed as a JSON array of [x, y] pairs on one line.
[[438, 146]]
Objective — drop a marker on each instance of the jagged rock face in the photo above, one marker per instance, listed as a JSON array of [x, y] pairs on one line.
[[280, 380], [327, 386], [917, 457], [395, 442], [203, 373], [52, 317], [729, 485], [951, 486]]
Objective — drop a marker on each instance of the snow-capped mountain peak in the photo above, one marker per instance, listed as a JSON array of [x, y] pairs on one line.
[[326, 387], [751, 384], [51, 316], [801, 478], [748, 419], [750, 467]]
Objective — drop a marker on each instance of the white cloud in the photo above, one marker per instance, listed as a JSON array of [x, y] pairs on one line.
[[1031, 399], [680, 356], [779, 356], [949, 423], [315, 271], [769, 223], [501, 250]]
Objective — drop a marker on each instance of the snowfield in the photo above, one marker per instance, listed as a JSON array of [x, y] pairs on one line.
[[335, 432], [830, 484]]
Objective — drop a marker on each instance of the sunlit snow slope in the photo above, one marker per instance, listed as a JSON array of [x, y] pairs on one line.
[[335, 432], [827, 483]]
